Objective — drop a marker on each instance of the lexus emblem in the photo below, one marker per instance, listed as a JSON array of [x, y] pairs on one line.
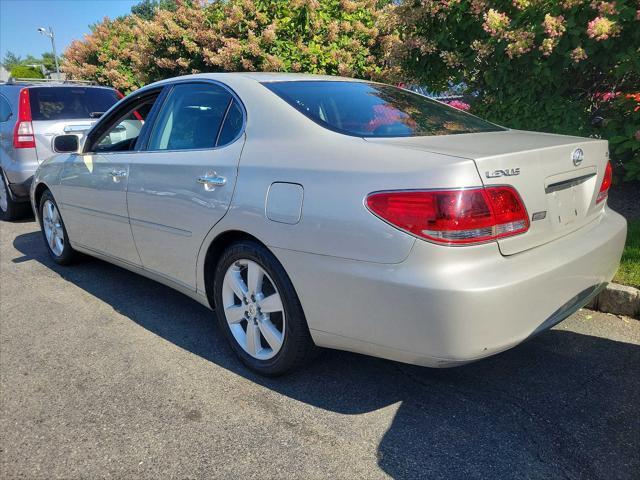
[[577, 156]]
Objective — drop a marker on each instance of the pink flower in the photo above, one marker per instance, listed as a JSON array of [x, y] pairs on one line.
[[604, 8], [548, 44], [601, 28], [520, 42], [495, 22], [578, 54], [554, 26]]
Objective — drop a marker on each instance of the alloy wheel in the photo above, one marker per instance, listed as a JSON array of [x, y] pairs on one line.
[[253, 309], [4, 195], [52, 224]]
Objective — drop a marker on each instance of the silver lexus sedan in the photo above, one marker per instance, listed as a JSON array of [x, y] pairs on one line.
[[315, 211]]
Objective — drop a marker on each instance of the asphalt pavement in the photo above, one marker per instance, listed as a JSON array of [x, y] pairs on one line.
[[105, 374]]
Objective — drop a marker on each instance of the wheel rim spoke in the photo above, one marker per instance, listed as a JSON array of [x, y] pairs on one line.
[[271, 304], [4, 203], [50, 211], [236, 283], [255, 276], [55, 215], [234, 313], [270, 333], [253, 338]]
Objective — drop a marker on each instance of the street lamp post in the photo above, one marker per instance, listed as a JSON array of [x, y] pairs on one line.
[[49, 33]]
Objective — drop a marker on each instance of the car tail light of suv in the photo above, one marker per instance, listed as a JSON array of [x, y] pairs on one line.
[[606, 183], [23, 136], [453, 217]]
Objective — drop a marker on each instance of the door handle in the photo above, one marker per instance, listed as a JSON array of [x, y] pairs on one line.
[[212, 180], [116, 175]]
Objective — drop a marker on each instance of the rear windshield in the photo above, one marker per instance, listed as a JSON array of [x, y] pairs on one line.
[[373, 110], [66, 103]]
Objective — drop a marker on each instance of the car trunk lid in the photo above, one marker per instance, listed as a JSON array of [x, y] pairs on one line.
[[558, 193]]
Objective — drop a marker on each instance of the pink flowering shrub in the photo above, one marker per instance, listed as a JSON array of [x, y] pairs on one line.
[[534, 64], [340, 37]]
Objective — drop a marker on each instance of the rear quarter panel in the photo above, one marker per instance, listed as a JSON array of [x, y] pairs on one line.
[[337, 172]]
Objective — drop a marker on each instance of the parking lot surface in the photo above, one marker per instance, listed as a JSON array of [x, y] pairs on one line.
[[106, 374]]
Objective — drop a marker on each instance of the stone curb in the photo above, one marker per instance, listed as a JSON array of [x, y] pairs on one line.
[[619, 300]]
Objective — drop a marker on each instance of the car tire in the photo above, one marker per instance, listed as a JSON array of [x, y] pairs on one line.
[[10, 209], [53, 230], [286, 327]]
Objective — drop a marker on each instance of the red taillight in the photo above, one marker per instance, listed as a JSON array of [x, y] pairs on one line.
[[23, 131], [454, 217], [606, 183]]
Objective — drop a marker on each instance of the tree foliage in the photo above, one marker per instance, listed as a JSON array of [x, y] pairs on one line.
[[147, 8], [548, 65], [24, 71], [331, 36], [533, 64], [12, 60]]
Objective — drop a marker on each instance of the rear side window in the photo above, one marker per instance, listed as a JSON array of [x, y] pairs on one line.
[[232, 125], [67, 103], [373, 110], [191, 117], [5, 110]]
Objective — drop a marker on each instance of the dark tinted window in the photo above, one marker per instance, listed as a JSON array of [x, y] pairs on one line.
[[373, 110], [190, 117], [5, 109], [232, 125], [67, 103]]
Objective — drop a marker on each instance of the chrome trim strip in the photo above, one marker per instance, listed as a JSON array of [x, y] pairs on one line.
[[96, 213], [157, 226], [572, 182]]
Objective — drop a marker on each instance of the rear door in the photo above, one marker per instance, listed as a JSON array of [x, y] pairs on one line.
[[182, 185], [66, 109], [93, 185]]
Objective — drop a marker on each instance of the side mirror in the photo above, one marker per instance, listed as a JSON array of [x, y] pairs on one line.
[[66, 144]]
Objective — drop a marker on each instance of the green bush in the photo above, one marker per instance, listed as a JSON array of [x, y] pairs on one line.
[[533, 64], [23, 71]]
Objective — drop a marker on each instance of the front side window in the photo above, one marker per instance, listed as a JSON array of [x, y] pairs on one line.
[[191, 117], [67, 103], [373, 110], [121, 133]]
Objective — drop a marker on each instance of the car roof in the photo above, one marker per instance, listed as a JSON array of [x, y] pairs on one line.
[[293, 77], [26, 83], [259, 77]]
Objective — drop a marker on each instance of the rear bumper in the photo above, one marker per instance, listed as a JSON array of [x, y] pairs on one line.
[[446, 306], [19, 170], [20, 191]]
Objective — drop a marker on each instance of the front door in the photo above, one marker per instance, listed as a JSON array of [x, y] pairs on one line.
[[93, 185], [183, 183]]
